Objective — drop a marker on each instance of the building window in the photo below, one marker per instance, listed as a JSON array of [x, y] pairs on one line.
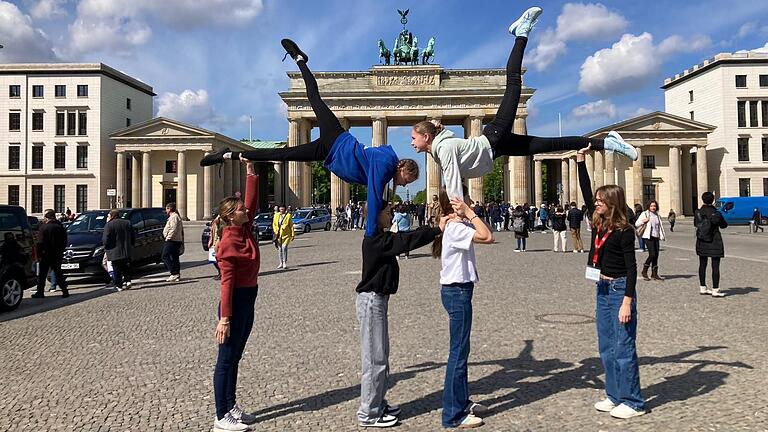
[[82, 90], [70, 123], [764, 108], [13, 195], [763, 80], [765, 149], [741, 81], [82, 156], [742, 113], [37, 198], [82, 198], [690, 95], [59, 157], [59, 192], [752, 113], [14, 91], [37, 91], [649, 193], [170, 167], [765, 187], [82, 123], [128, 103], [744, 189], [649, 162], [37, 157], [14, 121], [743, 149], [14, 157], [37, 121], [60, 123], [60, 91], [127, 122], [691, 113]]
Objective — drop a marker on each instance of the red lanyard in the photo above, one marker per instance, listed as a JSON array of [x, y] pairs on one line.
[[599, 242]]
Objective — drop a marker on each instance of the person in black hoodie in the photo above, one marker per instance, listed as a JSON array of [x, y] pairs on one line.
[[709, 243], [380, 279], [51, 243]]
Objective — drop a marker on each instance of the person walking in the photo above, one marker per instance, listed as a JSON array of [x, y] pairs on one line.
[[543, 217], [640, 239], [458, 276], [173, 233], [239, 259], [709, 243], [612, 266], [434, 211], [650, 228], [282, 227], [51, 243], [671, 218], [496, 217], [403, 223], [520, 227], [213, 242], [575, 216], [757, 220], [119, 239], [558, 229]]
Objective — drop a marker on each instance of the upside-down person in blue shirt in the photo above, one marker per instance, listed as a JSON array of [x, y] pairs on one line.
[[342, 153]]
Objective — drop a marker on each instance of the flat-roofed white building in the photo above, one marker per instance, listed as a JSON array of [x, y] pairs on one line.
[[730, 92], [55, 121]]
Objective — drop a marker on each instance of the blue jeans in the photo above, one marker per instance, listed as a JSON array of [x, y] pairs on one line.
[[230, 352], [521, 243], [616, 342], [457, 301]]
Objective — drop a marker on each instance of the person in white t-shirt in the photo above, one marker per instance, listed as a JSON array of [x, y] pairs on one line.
[[457, 278]]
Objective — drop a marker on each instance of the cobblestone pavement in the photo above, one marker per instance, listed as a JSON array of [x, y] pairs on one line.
[[142, 360]]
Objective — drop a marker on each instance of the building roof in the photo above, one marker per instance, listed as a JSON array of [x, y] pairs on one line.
[[688, 124], [259, 144], [165, 124], [718, 60], [75, 69]]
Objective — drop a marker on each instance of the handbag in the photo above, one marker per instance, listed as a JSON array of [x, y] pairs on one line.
[[394, 228], [641, 229], [212, 255]]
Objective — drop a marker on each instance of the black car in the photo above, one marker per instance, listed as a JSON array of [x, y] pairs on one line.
[[16, 264], [263, 223], [85, 251]]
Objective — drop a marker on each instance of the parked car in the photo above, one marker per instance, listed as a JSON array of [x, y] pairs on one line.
[[85, 251], [263, 224], [307, 219], [17, 272]]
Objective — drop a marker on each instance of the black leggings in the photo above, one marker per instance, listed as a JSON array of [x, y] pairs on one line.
[[317, 150], [715, 271], [653, 251], [499, 130]]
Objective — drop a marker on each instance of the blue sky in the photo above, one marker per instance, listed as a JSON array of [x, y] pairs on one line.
[[215, 62]]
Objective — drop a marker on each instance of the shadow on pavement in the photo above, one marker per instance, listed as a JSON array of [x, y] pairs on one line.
[[740, 291], [32, 306], [679, 276]]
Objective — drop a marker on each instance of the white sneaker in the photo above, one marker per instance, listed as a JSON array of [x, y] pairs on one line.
[[605, 405], [717, 293], [285, 266], [242, 416], [470, 421], [703, 290], [229, 424], [575, 251], [526, 22], [624, 412], [127, 285], [385, 421], [614, 142], [173, 278]]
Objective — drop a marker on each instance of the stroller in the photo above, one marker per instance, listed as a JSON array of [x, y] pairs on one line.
[[341, 221]]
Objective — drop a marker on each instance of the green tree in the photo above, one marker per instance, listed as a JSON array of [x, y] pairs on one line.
[[358, 192], [398, 199], [321, 182], [420, 197], [493, 183]]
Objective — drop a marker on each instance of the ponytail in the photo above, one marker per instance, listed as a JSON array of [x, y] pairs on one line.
[[444, 210], [430, 127]]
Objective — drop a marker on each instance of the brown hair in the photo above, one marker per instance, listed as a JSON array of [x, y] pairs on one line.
[[648, 206], [615, 218], [114, 213], [444, 210], [227, 207], [431, 127], [409, 167]]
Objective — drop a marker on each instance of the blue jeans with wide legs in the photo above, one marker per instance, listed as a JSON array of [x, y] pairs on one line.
[[457, 300], [617, 346], [230, 352]]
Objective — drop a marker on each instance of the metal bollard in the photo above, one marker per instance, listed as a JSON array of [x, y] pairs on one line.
[[752, 228]]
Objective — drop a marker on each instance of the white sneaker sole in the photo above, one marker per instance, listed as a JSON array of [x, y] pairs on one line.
[[524, 17]]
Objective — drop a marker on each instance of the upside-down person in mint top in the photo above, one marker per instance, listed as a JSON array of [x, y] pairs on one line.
[[343, 155], [473, 157]]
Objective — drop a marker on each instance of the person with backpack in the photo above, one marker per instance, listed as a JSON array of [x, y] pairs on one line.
[[671, 218], [558, 229], [650, 228], [709, 243], [520, 227], [575, 216]]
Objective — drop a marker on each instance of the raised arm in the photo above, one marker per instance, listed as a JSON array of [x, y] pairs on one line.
[[251, 189], [584, 181]]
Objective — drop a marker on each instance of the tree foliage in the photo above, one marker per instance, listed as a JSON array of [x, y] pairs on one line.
[[493, 183]]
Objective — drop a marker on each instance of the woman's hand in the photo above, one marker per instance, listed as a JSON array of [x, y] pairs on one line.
[[444, 221], [222, 331], [580, 155], [625, 313], [249, 168], [461, 208]]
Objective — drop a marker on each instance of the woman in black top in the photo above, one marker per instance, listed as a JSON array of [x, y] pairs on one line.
[[612, 265]]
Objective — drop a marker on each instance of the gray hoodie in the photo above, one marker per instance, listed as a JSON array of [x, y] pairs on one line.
[[458, 157]]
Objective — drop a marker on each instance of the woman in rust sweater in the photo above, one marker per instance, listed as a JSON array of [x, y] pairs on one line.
[[238, 257]]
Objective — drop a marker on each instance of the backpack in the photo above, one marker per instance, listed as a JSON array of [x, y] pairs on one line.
[[704, 228], [518, 225]]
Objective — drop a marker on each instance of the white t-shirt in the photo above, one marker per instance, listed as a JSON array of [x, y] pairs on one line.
[[458, 256]]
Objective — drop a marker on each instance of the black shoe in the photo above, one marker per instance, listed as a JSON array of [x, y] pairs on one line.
[[293, 50], [38, 295], [214, 158], [64, 293]]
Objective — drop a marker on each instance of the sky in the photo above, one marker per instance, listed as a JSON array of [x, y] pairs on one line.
[[214, 63]]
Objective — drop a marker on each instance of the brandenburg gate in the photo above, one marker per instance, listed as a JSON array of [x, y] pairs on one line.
[[392, 96]]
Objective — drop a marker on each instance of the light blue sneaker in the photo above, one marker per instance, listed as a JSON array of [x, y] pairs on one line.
[[526, 22], [614, 142]]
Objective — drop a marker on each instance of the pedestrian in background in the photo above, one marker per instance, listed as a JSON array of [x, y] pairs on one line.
[[403, 224], [173, 233], [651, 230], [558, 229], [575, 216], [671, 218], [757, 219], [213, 242], [640, 239], [520, 227], [282, 227], [709, 243], [543, 217], [118, 240], [51, 243]]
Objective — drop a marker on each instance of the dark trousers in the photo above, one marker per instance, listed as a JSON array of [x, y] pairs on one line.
[[171, 256], [46, 265], [715, 271], [498, 131], [230, 352], [653, 251], [122, 269]]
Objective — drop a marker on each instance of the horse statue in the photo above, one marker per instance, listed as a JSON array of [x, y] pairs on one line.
[[414, 56], [429, 51], [384, 53]]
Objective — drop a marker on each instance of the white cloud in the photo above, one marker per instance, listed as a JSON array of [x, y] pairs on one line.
[[45, 9], [576, 22], [189, 106], [638, 112], [600, 108], [631, 62], [747, 28], [22, 41]]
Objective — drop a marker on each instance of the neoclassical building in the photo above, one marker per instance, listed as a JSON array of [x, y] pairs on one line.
[[671, 167]]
